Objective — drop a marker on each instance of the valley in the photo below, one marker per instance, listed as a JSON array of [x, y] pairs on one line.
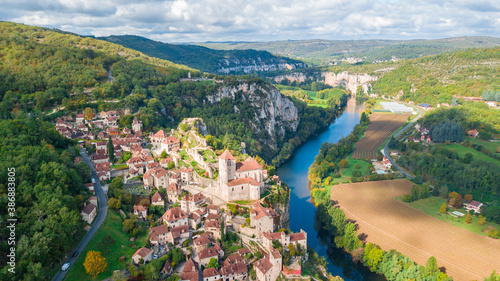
[[258, 164]]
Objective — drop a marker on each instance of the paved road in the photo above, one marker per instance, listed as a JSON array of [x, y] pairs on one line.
[[103, 211], [387, 154]]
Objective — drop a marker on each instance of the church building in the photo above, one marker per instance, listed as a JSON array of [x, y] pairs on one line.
[[239, 181]]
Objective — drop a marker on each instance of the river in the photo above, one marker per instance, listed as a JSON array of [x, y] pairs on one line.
[[303, 212]]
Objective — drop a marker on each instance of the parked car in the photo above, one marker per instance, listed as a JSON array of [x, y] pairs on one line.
[[65, 266], [155, 256]]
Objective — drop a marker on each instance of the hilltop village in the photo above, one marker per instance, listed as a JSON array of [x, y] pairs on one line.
[[217, 210]]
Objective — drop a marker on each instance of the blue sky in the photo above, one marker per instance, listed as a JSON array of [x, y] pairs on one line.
[[262, 20]]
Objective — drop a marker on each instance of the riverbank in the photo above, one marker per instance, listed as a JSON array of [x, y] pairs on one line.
[[302, 210]]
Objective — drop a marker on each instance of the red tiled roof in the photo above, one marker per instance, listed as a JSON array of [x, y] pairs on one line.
[[243, 251], [236, 268], [276, 254], [142, 252], [274, 236], [208, 253], [88, 209], [170, 140], [210, 272], [204, 239], [215, 224], [263, 265], [173, 187], [248, 165], [234, 258], [157, 197], [249, 180], [262, 212], [139, 208], [174, 214], [160, 134], [227, 155], [297, 236]]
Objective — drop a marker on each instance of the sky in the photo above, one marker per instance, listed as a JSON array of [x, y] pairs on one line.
[[177, 21]]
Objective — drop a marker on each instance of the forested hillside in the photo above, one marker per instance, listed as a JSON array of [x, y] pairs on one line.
[[324, 51], [436, 79], [49, 194], [209, 60]]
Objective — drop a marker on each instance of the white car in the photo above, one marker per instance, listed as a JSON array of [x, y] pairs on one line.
[[65, 266], [155, 256]]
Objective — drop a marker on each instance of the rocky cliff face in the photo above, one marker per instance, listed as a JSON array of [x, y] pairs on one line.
[[272, 111], [297, 76], [249, 65], [350, 81]]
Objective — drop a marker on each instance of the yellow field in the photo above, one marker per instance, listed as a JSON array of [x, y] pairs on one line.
[[393, 225]]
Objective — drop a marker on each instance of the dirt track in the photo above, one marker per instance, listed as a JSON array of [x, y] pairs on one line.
[[393, 225], [380, 128]]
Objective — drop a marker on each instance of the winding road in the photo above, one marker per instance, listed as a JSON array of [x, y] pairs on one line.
[[387, 154], [103, 211]]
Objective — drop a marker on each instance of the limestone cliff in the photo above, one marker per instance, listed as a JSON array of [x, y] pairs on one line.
[[296, 76], [257, 64], [272, 112], [350, 81]]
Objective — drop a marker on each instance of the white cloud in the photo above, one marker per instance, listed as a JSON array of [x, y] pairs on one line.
[[242, 20]]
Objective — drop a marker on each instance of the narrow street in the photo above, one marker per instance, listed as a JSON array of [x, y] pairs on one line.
[[103, 210]]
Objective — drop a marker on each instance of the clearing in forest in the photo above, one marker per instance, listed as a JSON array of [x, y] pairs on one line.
[[380, 128], [393, 225]]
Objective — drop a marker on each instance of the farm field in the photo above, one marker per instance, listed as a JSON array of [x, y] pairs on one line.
[[489, 145], [394, 225], [380, 128]]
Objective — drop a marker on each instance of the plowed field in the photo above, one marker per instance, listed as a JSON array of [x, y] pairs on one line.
[[393, 225], [380, 128]]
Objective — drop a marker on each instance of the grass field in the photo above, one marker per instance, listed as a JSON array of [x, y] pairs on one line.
[[113, 243], [346, 173], [462, 150], [394, 225], [430, 206], [380, 128], [489, 145]]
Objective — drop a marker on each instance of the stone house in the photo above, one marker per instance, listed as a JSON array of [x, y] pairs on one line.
[[140, 211], [269, 267], [191, 203], [263, 219], [211, 274], [299, 238], [89, 213], [173, 192], [237, 271], [206, 254], [175, 217], [158, 199], [143, 253]]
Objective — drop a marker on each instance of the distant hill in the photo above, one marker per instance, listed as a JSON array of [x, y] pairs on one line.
[[209, 60], [325, 51]]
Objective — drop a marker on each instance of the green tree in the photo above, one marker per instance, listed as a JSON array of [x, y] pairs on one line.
[[114, 203], [468, 218], [111, 150], [163, 154], [213, 263], [343, 164], [442, 209], [481, 220], [431, 267]]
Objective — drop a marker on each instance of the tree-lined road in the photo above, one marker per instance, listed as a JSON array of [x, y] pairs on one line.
[[103, 211]]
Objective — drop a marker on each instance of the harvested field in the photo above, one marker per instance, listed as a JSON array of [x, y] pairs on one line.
[[393, 225], [380, 128]]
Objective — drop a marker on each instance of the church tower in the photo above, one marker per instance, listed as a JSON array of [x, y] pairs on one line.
[[227, 169]]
